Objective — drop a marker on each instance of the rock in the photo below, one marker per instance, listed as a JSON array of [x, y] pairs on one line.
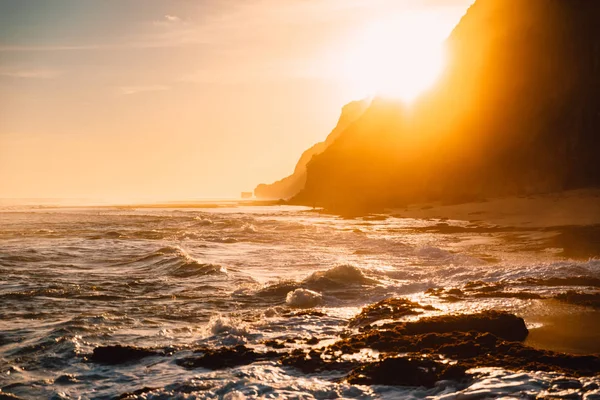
[[311, 362], [274, 344], [135, 394], [312, 341], [226, 357], [569, 281], [480, 290], [9, 396], [392, 308], [307, 313], [504, 325], [120, 354], [478, 340], [580, 298], [404, 371]]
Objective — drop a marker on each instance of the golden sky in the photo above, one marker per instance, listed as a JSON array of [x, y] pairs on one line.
[[167, 100]]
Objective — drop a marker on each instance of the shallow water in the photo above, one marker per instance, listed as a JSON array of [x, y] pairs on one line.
[[75, 279]]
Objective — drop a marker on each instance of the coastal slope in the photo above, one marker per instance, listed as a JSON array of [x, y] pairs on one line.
[[517, 111], [292, 184]]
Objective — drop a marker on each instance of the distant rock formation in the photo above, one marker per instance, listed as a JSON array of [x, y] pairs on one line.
[[517, 111], [291, 185]]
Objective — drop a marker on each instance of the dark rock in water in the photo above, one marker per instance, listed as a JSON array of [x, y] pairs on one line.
[[9, 396], [479, 340], [312, 341], [307, 313], [404, 371], [480, 290], [504, 325], [226, 357], [569, 281], [120, 354], [274, 344], [508, 295], [135, 394], [311, 362], [392, 308], [580, 298]]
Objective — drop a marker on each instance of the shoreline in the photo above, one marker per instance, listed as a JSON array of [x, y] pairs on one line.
[[568, 208]]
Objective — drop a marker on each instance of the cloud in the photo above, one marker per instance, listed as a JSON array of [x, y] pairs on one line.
[[129, 90], [172, 18], [30, 73], [168, 21]]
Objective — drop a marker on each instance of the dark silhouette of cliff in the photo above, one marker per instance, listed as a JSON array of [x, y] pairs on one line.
[[291, 185], [517, 111]]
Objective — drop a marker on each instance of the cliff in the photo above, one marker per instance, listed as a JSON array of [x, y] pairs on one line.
[[517, 111], [291, 185]]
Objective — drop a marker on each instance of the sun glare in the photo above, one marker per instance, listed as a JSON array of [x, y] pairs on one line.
[[397, 57]]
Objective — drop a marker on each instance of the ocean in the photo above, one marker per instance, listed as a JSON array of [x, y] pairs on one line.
[[178, 280]]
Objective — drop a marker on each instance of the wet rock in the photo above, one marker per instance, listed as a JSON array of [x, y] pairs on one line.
[[580, 298], [504, 325], [120, 354], [569, 281], [312, 341], [9, 396], [307, 313], [488, 339], [226, 357], [404, 371], [564, 383], [312, 361], [274, 344], [480, 290], [67, 379], [392, 308], [135, 394]]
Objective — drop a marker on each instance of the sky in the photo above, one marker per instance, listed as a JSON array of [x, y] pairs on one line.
[[141, 100]]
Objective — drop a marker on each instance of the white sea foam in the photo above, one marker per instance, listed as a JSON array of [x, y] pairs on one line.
[[303, 298]]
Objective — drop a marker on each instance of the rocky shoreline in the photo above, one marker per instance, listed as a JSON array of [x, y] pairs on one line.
[[380, 347]]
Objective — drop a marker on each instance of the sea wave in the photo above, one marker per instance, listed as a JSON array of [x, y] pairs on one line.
[[174, 261]]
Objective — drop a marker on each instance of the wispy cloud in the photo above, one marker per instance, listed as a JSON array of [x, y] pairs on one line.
[[168, 20], [30, 73], [172, 18], [129, 90]]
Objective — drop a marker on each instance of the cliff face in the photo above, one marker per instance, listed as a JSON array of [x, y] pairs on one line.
[[517, 111], [291, 185]]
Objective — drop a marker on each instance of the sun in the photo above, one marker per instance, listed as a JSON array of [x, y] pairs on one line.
[[398, 57]]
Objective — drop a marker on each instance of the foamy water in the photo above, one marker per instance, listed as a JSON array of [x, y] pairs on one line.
[[75, 279]]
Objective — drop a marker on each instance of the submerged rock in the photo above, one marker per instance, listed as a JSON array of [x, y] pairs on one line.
[[120, 354], [580, 298], [581, 280], [9, 396], [480, 290]]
